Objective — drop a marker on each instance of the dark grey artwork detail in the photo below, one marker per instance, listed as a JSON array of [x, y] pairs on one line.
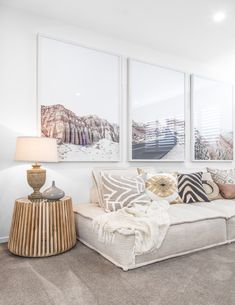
[[153, 141]]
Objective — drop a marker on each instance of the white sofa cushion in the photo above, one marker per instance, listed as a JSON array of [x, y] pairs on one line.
[[192, 228], [188, 213], [231, 229], [88, 210], [186, 238], [226, 207], [94, 196], [179, 213]]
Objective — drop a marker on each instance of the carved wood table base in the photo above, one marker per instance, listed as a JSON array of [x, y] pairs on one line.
[[42, 228]]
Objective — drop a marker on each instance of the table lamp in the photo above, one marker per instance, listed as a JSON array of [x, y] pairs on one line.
[[36, 149]]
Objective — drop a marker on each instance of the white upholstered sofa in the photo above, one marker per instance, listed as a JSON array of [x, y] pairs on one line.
[[193, 227]]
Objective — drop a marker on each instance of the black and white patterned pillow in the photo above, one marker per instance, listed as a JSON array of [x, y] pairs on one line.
[[191, 189]]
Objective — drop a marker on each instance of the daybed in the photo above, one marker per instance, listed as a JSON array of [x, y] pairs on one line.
[[193, 227]]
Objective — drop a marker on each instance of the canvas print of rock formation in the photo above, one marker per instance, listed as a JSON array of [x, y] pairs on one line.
[[212, 109], [156, 97], [79, 100], [80, 137]]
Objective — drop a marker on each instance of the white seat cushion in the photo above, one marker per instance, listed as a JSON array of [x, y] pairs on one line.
[[226, 207], [88, 210], [185, 238], [192, 229], [231, 229], [185, 213], [179, 213]]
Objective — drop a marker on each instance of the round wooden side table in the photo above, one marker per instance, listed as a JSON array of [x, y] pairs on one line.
[[42, 228]]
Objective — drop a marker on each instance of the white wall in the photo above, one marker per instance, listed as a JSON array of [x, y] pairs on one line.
[[18, 102]]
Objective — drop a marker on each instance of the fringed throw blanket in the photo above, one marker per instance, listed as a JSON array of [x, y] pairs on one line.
[[149, 223]]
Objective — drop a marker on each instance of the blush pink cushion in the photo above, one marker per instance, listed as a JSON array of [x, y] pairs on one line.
[[227, 190]]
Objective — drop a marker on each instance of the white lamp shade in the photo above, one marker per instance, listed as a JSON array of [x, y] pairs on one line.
[[36, 149]]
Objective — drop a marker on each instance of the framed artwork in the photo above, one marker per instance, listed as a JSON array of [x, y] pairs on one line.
[[79, 100], [156, 113], [212, 120]]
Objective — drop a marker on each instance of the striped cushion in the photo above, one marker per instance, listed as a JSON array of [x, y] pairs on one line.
[[120, 191], [191, 189]]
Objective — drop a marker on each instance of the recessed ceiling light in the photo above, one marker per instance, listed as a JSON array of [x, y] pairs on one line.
[[77, 93], [219, 16]]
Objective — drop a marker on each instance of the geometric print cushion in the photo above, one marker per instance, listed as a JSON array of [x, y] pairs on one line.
[[96, 174], [191, 188], [222, 176], [121, 191], [162, 186], [211, 188]]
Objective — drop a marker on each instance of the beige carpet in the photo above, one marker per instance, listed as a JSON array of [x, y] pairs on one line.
[[82, 277]]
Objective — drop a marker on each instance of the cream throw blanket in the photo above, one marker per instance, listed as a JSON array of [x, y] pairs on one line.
[[148, 222]]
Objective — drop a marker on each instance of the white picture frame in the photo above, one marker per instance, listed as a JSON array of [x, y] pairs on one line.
[[100, 77], [212, 120], [175, 78]]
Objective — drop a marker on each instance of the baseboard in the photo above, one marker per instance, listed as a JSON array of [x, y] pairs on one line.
[[3, 240]]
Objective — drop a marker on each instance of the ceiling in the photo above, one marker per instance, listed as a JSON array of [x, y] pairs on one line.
[[181, 27]]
